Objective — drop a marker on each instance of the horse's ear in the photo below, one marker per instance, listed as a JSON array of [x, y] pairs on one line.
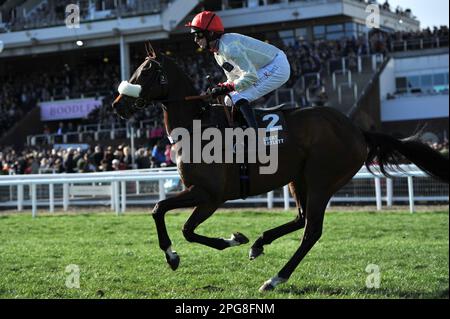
[[150, 51]]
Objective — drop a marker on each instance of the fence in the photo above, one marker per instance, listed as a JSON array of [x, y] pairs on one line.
[[146, 187]]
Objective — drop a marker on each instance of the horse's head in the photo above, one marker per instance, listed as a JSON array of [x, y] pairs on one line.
[[147, 85]]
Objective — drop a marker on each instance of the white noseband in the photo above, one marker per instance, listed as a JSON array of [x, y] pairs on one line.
[[133, 90]]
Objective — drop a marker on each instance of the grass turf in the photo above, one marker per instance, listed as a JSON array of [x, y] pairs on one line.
[[119, 257]]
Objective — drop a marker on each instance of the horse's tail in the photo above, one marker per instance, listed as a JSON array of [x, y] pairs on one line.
[[388, 151]]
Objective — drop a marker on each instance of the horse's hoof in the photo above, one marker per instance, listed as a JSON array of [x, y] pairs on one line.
[[240, 238], [267, 286], [255, 252], [173, 260], [272, 283]]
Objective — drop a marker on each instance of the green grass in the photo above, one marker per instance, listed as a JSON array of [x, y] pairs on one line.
[[119, 257]]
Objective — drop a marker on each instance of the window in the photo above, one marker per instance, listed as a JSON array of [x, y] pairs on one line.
[[440, 79], [301, 32], [335, 28], [351, 30], [335, 35], [319, 31], [362, 29], [401, 85], [414, 82], [287, 36], [286, 33], [440, 82], [429, 83], [426, 80], [350, 26]]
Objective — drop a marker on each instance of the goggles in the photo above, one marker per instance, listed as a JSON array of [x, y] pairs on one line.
[[198, 34]]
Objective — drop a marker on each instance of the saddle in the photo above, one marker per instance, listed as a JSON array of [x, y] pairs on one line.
[[235, 119], [272, 120]]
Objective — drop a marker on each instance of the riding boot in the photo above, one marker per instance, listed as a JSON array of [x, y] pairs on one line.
[[248, 113]]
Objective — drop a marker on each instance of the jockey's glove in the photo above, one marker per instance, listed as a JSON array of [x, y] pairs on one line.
[[222, 89]]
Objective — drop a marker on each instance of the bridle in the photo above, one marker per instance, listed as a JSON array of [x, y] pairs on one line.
[[162, 80]]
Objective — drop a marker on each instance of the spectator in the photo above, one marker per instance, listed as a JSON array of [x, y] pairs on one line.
[[69, 162], [61, 130], [158, 156]]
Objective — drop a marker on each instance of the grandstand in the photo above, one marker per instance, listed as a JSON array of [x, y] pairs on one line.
[[58, 82]]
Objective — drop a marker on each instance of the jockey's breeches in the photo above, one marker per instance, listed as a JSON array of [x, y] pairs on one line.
[[270, 78]]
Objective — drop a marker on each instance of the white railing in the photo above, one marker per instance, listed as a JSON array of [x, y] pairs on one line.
[[114, 184]]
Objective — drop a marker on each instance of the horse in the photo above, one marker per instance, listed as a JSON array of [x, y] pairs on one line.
[[324, 151]]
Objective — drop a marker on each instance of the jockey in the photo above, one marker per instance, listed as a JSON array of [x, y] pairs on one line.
[[253, 68]]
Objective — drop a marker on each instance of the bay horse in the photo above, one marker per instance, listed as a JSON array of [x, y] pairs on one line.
[[324, 151]]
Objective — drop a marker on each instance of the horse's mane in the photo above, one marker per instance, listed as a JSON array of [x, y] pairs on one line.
[[178, 70], [179, 79]]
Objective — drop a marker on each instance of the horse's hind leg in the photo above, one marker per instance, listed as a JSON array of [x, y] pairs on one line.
[[315, 212], [322, 181], [267, 237], [199, 215]]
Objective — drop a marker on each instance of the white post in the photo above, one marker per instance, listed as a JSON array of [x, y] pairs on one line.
[[65, 197], [33, 200], [124, 195], [378, 192], [20, 198], [132, 144], [51, 197], [389, 191], [411, 194], [286, 197], [339, 94], [162, 191], [270, 200], [138, 188], [112, 196], [117, 197]]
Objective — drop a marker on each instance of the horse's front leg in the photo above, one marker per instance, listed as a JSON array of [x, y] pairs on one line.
[[190, 197]]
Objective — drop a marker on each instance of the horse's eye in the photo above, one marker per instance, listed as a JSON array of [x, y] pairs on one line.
[[147, 67]]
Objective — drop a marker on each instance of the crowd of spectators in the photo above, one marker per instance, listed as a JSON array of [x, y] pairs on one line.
[[97, 158], [381, 42], [19, 93], [53, 12]]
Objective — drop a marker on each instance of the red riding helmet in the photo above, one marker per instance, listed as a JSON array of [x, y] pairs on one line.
[[207, 21]]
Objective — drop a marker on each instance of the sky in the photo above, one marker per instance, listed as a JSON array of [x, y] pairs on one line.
[[430, 12]]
